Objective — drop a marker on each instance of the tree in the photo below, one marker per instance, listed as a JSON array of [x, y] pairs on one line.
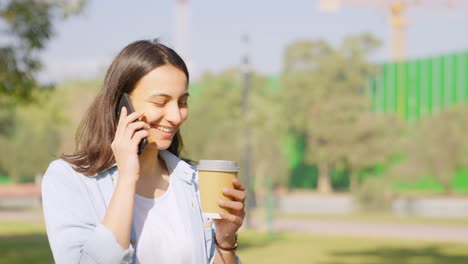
[[214, 128], [438, 146], [267, 122], [35, 138], [365, 138], [27, 26], [319, 80]]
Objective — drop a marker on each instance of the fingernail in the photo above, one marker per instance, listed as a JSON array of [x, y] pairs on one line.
[[225, 189], [221, 202]]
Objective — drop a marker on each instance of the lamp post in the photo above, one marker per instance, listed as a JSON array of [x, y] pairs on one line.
[[247, 145]]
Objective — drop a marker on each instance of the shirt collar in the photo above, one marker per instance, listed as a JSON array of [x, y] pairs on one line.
[[175, 165], [178, 167]]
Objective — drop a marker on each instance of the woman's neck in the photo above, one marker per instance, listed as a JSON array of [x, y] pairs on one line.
[[151, 164], [154, 175]]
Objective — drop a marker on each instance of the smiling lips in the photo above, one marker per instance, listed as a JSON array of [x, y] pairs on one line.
[[165, 129]]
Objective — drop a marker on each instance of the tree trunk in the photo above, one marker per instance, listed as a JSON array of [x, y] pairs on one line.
[[323, 184], [445, 178], [447, 185], [353, 181]]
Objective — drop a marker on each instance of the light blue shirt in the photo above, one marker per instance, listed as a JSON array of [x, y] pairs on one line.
[[74, 206]]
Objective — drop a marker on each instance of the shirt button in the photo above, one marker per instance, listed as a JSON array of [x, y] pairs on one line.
[[132, 241]]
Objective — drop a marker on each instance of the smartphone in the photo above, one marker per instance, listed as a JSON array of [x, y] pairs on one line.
[[125, 101]]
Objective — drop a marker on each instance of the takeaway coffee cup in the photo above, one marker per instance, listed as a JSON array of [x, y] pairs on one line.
[[213, 176]]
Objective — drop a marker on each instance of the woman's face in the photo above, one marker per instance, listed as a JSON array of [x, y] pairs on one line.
[[162, 95]]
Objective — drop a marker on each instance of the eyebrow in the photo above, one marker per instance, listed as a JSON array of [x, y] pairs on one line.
[[186, 94]]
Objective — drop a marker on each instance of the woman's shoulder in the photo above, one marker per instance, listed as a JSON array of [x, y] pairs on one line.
[[60, 165], [60, 170]]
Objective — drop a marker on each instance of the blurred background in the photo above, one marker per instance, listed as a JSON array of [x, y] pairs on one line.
[[348, 117]]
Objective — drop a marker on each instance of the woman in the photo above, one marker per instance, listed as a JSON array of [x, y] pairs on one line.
[[107, 204]]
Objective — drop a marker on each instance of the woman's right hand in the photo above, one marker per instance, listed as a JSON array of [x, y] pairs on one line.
[[128, 135]]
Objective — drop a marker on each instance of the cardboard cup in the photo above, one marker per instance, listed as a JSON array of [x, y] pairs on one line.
[[213, 176]]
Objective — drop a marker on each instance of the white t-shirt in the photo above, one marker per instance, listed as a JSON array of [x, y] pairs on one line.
[[161, 235]]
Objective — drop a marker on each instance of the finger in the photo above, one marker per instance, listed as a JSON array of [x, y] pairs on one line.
[[238, 185], [234, 194], [138, 125], [139, 135], [123, 114], [134, 127], [231, 218], [132, 117], [233, 205]]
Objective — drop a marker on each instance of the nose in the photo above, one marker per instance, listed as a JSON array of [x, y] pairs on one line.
[[173, 114]]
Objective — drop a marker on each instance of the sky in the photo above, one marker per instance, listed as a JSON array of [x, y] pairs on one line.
[[84, 45]]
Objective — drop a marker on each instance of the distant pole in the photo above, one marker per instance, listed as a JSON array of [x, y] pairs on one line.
[[398, 24], [182, 35], [247, 145]]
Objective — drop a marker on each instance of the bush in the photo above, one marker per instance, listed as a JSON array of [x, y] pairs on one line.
[[374, 195]]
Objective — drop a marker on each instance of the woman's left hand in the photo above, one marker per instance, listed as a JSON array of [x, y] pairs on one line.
[[226, 228]]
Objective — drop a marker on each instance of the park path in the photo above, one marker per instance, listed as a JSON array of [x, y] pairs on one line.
[[426, 232], [439, 233], [19, 215]]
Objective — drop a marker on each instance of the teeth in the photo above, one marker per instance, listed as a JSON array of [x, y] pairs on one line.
[[164, 129]]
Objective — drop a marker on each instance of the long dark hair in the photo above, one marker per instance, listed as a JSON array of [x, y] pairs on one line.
[[96, 132]]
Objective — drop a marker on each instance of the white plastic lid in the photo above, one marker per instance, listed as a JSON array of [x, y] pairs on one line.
[[218, 165]]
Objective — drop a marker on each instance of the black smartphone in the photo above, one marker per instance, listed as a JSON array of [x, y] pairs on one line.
[[125, 101]]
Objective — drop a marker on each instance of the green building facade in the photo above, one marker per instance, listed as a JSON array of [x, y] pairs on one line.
[[419, 87]]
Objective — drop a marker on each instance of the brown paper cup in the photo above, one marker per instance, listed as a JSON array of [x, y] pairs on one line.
[[213, 176]]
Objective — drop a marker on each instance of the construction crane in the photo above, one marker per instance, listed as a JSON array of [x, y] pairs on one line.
[[396, 10]]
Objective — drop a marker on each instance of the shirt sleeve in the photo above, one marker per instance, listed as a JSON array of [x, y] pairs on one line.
[[75, 235]]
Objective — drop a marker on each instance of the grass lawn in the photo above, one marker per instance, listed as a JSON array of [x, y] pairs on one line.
[[25, 242], [301, 249]]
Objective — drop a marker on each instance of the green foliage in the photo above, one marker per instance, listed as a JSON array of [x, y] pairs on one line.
[[297, 179], [28, 25], [44, 129], [437, 146], [34, 140], [327, 87], [28, 133], [460, 181], [374, 195], [4, 179], [215, 127]]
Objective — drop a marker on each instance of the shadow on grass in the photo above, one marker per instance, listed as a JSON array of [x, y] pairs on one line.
[[30, 248], [401, 255]]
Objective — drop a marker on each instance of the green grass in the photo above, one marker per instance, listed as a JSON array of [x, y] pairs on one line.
[[26, 242], [429, 185], [301, 249], [21, 228]]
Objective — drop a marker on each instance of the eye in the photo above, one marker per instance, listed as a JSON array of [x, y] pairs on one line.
[[158, 103], [183, 102]]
